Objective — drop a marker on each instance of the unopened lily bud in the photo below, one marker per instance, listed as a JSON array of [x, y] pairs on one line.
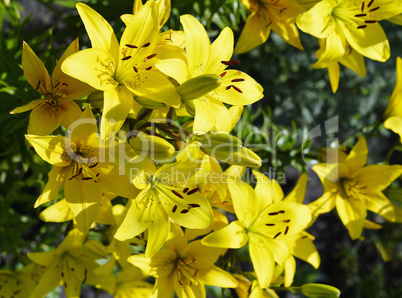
[[219, 144], [245, 157], [96, 99], [149, 104], [152, 147], [190, 107], [319, 291], [199, 86]]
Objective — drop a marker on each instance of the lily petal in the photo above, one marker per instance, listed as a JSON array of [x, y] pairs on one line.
[[378, 177], [44, 119], [57, 178], [99, 31], [395, 124], [243, 197], [205, 118], [158, 232], [232, 236], [221, 50], [357, 157], [215, 276], [29, 106], [352, 213], [58, 212], [69, 112], [263, 260]]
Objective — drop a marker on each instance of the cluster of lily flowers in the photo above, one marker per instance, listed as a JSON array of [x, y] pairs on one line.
[[178, 217]]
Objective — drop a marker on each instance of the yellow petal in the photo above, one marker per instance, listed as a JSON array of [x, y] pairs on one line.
[[197, 44], [223, 122], [263, 260], [318, 21], [395, 124], [305, 250], [221, 50], [83, 197], [58, 212], [117, 104], [238, 88], [355, 62], [352, 213], [99, 31], [255, 32], [205, 118], [158, 232], [332, 51], [232, 236], [323, 204], [51, 149], [298, 192], [215, 276], [69, 112], [357, 157], [96, 67], [49, 280], [268, 191], [44, 119], [43, 258], [29, 106], [34, 71], [370, 41], [83, 129], [57, 178], [290, 270], [174, 67], [288, 32], [378, 203], [378, 177], [333, 73], [204, 256]]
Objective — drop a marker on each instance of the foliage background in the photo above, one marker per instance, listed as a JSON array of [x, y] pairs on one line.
[[297, 99]]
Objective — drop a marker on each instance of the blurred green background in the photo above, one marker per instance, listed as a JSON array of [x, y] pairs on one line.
[[297, 99]]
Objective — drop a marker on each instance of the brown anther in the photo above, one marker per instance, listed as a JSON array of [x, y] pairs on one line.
[[58, 83], [361, 27], [177, 194], [185, 190], [151, 56], [94, 165], [281, 211], [135, 69], [87, 178], [126, 58], [193, 191], [64, 84], [374, 9], [230, 62], [370, 21], [277, 235], [223, 74], [286, 230], [362, 6], [228, 87], [237, 89], [146, 45], [237, 80], [370, 3], [270, 225], [273, 213], [286, 220], [360, 15], [193, 205], [37, 86], [174, 208], [85, 275], [148, 68], [184, 211], [131, 46]]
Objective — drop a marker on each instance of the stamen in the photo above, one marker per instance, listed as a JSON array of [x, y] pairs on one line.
[[228, 87], [126, 58], [148, 68], [135, 69], [37, 87], [281, 211], [237, 89], [151, 56], [193, 205], [94, 165], [87, 178], [361, 15], [174, 208], [146, 45], [277, 235], [374, 9], [64, 84], [185, 190], [184, 211], [230, 62], [62, 274], [131, 46], [237, 80], [58, 83], [286, 230], [370, 21], [362, 6], [85, 275], [177, 194], [193, 191], [270, 225], [273, 213], [286, 220], [223, 74], [79, 173], [370, 3], [361, 27]]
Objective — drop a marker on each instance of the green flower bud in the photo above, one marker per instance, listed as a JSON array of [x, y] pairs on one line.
[[320, 291], [219, 143], [199, 86], [149, 104], [152, 147]]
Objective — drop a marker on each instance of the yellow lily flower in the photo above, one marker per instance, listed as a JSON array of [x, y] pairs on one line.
[[170, 192], [184, 268], [280, 16], [393, 112], [343, 22], [264, 221], [79, 167], [70, 265], [56, 107], [232, 86], [119, 71], [355, 188]]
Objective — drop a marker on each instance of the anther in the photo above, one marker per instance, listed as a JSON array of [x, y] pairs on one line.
[[185, 190], [177, 194], [281, 211], [237, 89], [277, 235], [174, 208], [361, 15], [94, 165], [64, 84], [131, 46], [237, 80], [223, 74], [148, 68], [126, 58], [286, 230], [370, 21], [374, 9], [230, 62], [370, 3], [273, 213], [135, 69], [270, 225], [58, 83], [151, 56], [146, 45], [37, 87], [228, 87], [286, 220], [362, 6], [184, 211], [193, 191], [361, 27], [193, 205]]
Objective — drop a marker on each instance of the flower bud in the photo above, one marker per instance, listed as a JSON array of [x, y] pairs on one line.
[[149, 104], [212, 143], [199, 86], [320, 291], [152, 147]]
